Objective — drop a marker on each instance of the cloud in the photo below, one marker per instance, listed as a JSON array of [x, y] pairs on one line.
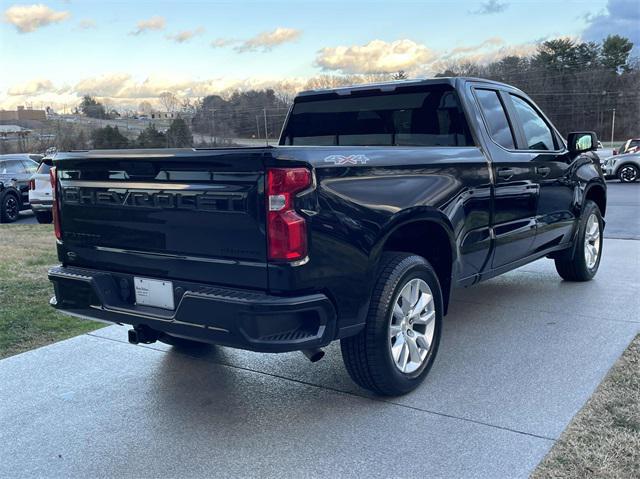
[[28, 18], [222, 42], [266, 41], [33, 87], [490, 7], [86, 24], [185, 35], [376, 56], [622, 17], [108, 85], [488, 43], [154, 23]]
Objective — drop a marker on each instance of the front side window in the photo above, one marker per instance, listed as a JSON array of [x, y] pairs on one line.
[[11, 166], [417, 116], [536, 131], [496, 118]]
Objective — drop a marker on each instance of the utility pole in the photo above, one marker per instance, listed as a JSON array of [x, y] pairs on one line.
[[613, 125], [257, 127], [213, 125], [266, 132]]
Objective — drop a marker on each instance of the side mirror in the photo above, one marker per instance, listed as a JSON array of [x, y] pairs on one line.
[[582, 141], [615, 152]]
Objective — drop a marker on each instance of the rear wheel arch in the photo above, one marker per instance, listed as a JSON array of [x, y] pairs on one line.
[[430, 237]]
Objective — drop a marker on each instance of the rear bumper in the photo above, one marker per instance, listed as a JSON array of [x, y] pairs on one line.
[[41, 205], [238, 318]]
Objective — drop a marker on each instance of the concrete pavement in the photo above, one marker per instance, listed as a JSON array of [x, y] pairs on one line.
[[520, 355]]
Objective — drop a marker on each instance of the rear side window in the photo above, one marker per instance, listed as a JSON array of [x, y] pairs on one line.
[[496, 118], [44, 167], [424, 116], [30, 166], [536, 131]]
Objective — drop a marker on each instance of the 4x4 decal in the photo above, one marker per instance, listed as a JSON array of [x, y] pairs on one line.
[[347, 160]]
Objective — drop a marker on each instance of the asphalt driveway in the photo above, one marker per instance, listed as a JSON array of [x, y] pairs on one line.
[[519, 357]]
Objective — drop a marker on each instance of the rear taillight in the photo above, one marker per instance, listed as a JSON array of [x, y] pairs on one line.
[[55, 210], [32, 184], [286, 229]]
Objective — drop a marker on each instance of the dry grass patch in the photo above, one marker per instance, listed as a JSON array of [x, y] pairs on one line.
[[603, 440]]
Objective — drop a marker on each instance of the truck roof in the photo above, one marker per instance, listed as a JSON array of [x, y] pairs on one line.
[[393, 84]]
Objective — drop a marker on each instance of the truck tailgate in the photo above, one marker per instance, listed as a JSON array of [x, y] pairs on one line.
[[196, 216]]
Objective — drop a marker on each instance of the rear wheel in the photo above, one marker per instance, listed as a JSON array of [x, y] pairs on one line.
[[43, 217], [628, 173], [9, 208], [583, 262], [395, 351]]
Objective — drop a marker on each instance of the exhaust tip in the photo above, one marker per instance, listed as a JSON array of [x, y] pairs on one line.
[[313, 355]]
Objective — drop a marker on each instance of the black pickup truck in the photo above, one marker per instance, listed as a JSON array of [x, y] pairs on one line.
[[378, 201]]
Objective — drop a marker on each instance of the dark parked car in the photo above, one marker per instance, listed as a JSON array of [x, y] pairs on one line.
[[15, 172], [379, 200]]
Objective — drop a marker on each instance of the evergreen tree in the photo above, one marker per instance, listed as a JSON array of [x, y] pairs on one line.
[[92, 108], [150, 137], [615, 53], [108, 138], [179, 135]]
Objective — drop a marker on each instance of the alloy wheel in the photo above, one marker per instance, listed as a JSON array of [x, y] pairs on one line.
[[11, 208], [412, 326], [628, 173], [592, 241]]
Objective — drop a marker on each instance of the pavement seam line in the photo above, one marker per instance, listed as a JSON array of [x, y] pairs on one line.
[[602, 318], [339, 391]]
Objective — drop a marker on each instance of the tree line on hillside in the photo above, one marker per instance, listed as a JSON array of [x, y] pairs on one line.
[[178, 135], [577, 84]]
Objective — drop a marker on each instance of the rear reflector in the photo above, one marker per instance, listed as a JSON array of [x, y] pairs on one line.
[[55, 210], [286, 229]]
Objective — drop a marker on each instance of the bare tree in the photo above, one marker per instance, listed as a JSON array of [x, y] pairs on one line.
[[168, 101], [145, 108]]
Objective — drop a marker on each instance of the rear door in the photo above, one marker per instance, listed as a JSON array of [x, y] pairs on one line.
[[515, 193], [195, 216], [542, 147]]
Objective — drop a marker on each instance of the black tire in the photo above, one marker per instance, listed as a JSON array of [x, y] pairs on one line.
[[9, 208], [367, 355], [628, 173], [43, 217], [573, 265]]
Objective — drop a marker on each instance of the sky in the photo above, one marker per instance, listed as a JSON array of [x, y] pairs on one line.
[[129, 51]]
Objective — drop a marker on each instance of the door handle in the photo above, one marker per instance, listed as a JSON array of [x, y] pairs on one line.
[[543, 170], [505, 173]]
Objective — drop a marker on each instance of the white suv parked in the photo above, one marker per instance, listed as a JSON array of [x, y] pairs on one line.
[[40, 192]]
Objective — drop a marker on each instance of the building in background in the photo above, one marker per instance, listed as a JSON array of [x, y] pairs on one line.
[[23, 113]]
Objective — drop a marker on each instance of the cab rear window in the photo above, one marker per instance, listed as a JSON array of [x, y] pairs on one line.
[[428, 116]]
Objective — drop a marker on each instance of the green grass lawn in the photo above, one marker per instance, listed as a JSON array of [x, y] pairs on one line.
[[26, 319]]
